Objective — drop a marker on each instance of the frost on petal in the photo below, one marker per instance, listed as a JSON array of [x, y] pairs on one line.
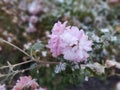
[[59, 28], [68, 38], [55, 41], [69, 55], [54, 45], [74, 31], [77, 45], [25, 81]]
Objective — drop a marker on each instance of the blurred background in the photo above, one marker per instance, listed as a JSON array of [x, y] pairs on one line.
[[27, 24]]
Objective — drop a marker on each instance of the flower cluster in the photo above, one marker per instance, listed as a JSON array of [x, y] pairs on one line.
[[34, 8], [25, 82], [70, 42], [30, 13]]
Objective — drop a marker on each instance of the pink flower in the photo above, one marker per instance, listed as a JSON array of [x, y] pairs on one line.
[[24, 18], [70, 42], [2, 87], [35, 7], [33, 19], [76, 44], [25, 81], [55, 42], [59, 28]]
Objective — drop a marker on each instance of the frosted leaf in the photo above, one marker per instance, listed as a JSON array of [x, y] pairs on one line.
[[44, 53], [105, 30], [76, 66], [95, 38], [113, 38], [60, 67]]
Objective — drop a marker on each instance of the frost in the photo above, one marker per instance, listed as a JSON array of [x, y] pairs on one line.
[[105, 30], [60, 67]]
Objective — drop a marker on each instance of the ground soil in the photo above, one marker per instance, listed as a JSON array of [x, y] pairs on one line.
[[97, 84]]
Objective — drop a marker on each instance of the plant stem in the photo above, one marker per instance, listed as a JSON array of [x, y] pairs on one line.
[[2, 40], [32, 58]]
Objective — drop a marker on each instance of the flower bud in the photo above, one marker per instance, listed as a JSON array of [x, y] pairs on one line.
[[33, 19]]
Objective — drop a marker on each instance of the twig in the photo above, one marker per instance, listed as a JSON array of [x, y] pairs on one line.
[[2, 40], [18, 64], [3, 75], [39, 62]]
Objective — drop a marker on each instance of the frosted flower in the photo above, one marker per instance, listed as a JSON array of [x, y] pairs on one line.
[[22, 5], [31, 28], [59, 28], [70, 42], [55, 41], [24, 18], [2, 87], [33, 19], [76, 44], [25, 81], [35, 7]]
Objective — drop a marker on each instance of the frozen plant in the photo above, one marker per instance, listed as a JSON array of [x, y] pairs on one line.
[[60, 67], [70, 42]]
